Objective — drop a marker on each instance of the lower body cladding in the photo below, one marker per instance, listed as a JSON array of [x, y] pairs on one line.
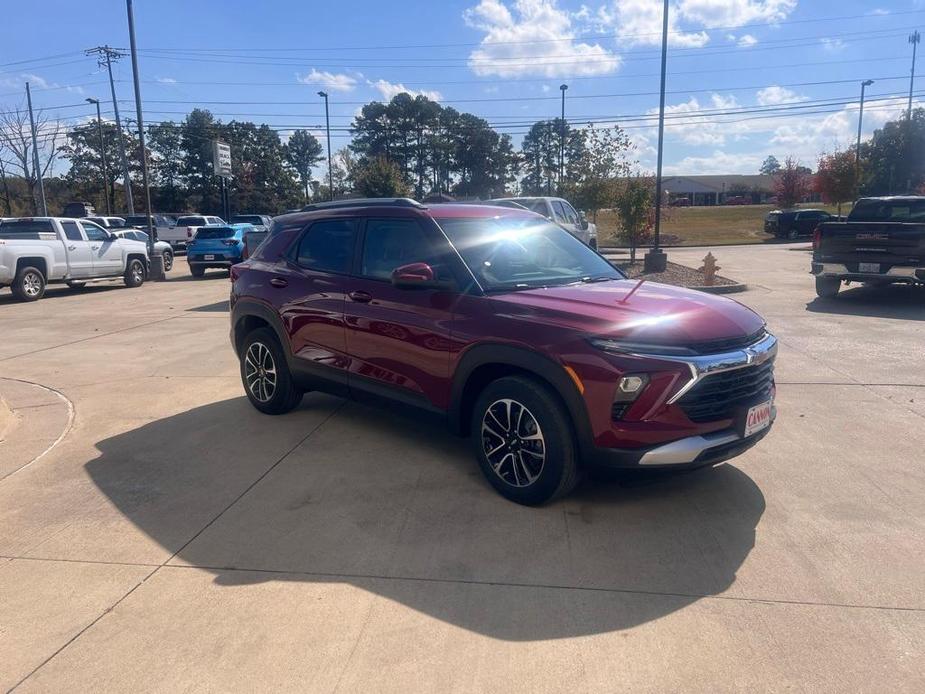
[[870, 272]]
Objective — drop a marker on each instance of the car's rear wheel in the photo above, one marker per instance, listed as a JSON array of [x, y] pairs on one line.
[[168, 261], [197, 270], [524, 441], [793, 235], [827, 287], [134, 274], [29, 284], [265, 374]]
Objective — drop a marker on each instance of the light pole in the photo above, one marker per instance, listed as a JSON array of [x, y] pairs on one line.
[[99, 127], [327, 126], [105, 55], [36, 164], [562, 88], [656, 260], [857, 151], [914, 38]]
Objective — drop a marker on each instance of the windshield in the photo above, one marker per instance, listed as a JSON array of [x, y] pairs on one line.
[[519, 253], [247, 219], [214, 233], [137, 220], [191, 222], [888, 211]]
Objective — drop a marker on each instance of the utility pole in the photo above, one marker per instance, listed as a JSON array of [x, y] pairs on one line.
[[99, 127], [157, 262], [105, 56], [35, 155], [857, 151], [656, 260], [914, 38], [327, 125], [562, 88]]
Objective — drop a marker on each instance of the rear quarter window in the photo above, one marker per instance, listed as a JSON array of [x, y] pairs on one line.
[[28, 229], [191, 222]]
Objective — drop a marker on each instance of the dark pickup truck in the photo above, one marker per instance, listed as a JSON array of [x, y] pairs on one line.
[[882, 242]]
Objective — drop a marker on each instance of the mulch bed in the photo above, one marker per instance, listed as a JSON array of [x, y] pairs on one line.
[[678, 275]]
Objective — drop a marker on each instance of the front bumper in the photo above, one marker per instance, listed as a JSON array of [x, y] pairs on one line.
[[896, 273], [687, 453]]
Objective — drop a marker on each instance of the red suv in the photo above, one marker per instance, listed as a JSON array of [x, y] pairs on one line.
[[508, 329]]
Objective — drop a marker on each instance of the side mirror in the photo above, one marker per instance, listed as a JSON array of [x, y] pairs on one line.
[[582, 221], [416, 276]]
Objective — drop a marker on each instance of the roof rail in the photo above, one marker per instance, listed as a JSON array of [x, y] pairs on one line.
[[364, 202]]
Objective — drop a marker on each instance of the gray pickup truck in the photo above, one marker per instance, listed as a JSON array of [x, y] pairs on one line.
[[882, 242], [35, 251]]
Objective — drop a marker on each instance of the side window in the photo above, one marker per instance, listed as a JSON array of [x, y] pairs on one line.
[[570, 214], [94, 233], [328, 246], [391, 243], [71, 231], [559, 212]]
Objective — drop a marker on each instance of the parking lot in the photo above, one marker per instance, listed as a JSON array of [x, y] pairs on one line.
[[156, 532]]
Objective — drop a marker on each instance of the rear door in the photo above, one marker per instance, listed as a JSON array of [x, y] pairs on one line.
[[79, 255], [105, 252], [308, 289], [398, 339]]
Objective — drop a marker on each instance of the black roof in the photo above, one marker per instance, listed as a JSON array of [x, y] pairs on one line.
[[363, 202]]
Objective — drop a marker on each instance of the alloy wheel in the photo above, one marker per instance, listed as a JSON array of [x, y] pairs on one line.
[[260, 372], [137, 272], [31, 284], [513, 442]]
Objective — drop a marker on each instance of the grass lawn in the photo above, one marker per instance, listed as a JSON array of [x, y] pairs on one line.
[[704, 226]]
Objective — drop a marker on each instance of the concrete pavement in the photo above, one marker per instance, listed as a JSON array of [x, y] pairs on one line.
[[176, 539]]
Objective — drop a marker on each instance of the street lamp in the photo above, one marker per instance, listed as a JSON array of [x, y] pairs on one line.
[[914, 38], [656, 260], [857, 151], [562, 88], [99, 127], [327, 125]]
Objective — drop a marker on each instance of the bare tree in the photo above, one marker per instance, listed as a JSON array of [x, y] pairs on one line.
[[16, 140]]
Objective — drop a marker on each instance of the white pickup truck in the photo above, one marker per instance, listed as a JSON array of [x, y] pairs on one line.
[[37, 250]]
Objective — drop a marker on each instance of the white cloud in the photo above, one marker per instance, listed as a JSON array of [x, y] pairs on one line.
[[328, 80], [833, 45], [879, 12], [734, 13], [390, 89], [717, 163], [688, 123], [774, 95], [639, 22], [747, 41], [166, 80], [533, 37]]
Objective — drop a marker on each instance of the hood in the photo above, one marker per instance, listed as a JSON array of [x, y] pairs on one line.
[[655, 313]]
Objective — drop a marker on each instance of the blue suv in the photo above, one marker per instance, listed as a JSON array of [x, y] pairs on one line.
[[216, 246]]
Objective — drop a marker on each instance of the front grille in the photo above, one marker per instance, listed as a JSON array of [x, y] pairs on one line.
[[728, 344], [719, 396]]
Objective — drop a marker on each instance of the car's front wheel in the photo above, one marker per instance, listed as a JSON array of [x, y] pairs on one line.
[[265, 374], [168, 261], [524, 441], [827, 287], [134, 274]]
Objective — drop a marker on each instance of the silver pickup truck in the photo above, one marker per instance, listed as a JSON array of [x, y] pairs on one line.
[[35, 251]]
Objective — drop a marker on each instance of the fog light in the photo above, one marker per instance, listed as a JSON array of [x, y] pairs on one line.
[[631, 385]]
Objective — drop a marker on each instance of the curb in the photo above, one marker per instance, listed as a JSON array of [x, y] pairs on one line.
[[722, 288]]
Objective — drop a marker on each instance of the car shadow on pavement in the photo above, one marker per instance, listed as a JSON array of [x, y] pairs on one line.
[[217, 307], [60, 291], [377, 500], [890, 301]]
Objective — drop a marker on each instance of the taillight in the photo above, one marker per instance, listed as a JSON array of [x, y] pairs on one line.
[[234, 272], [817, 238], [189, 232], [230, 242]]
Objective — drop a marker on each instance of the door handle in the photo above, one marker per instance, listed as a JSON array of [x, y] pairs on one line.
[[94, 248], [72, 248], [361, 297], [279, 282]]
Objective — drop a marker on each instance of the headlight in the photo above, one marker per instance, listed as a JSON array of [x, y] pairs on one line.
[[626, 347]]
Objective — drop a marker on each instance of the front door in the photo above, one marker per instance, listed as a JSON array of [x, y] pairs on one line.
[[398, 339], [79, 260], [105, 251], [308, 289]]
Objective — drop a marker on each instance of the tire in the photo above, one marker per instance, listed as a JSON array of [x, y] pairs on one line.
[[827, 287], [168, 261], [29, 284], [134, 274], [260, 353], [793, 235], [537, 412], [197, 270]]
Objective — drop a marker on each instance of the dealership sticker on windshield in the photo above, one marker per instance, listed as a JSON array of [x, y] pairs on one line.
[[758, 418]]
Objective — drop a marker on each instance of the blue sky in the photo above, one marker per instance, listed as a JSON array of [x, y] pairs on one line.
[[733, 65]]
